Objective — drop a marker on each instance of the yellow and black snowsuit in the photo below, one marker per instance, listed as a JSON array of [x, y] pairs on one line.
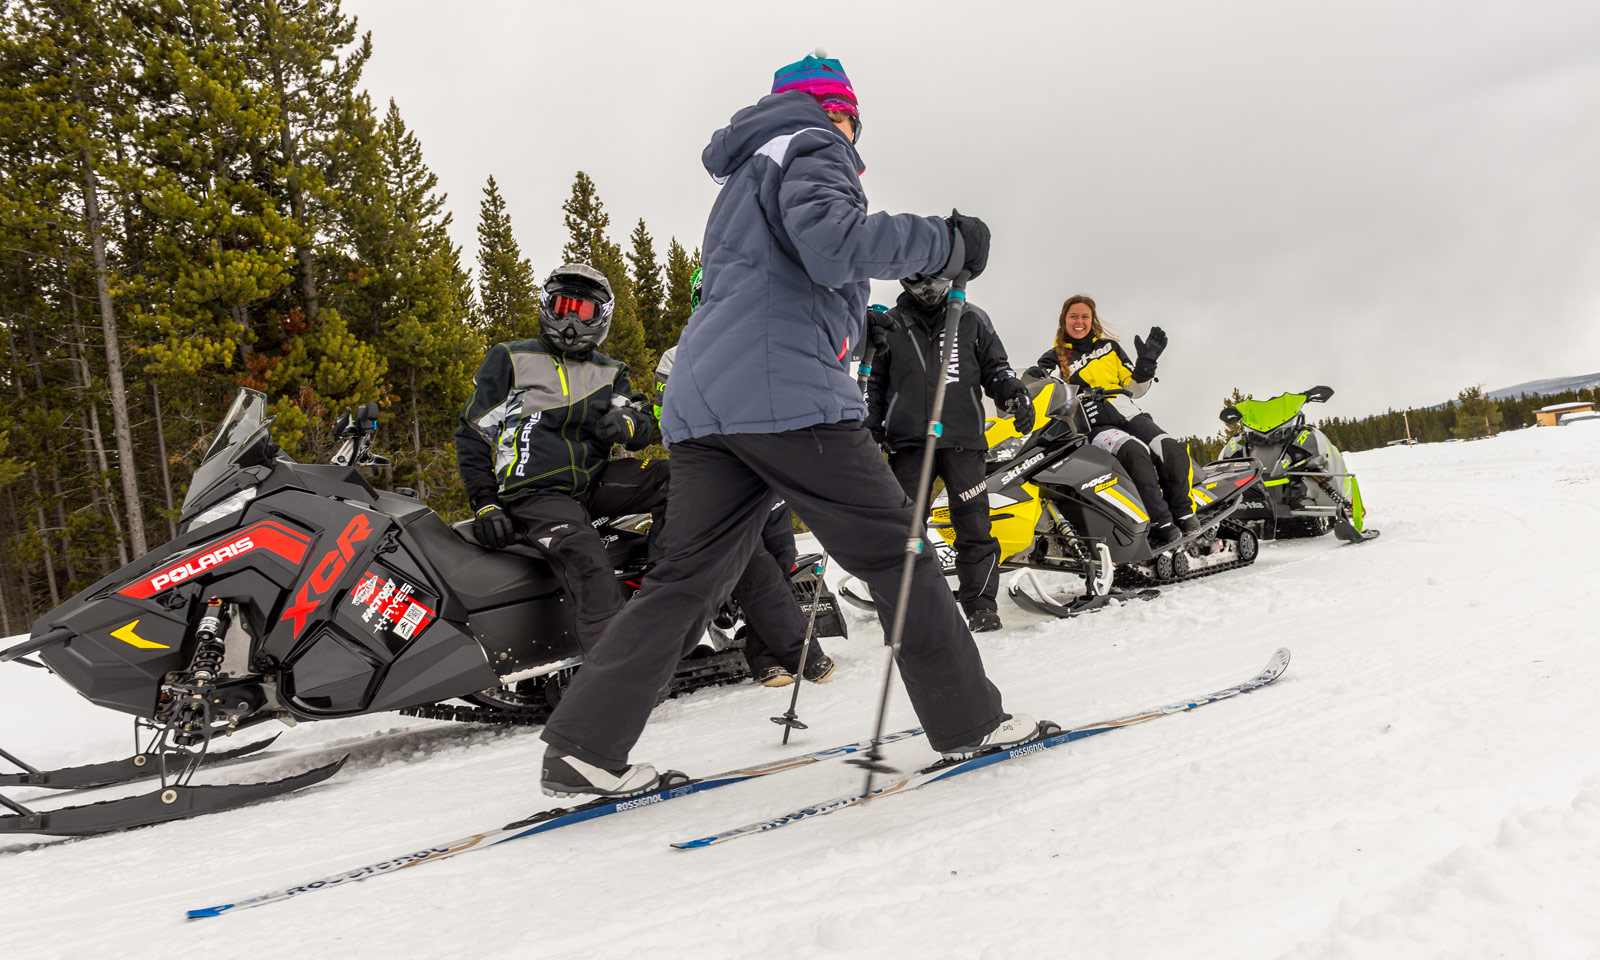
[[1159, 464]]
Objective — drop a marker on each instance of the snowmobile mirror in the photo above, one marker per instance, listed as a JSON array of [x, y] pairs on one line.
[[1319, 394], [1230, 415]]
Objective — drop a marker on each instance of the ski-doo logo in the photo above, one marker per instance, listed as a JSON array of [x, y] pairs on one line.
[[523, 441], [269, 536], [327, 573], [1021, 468]]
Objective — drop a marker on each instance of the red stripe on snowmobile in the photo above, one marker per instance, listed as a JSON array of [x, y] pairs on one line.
[[266, 535], [1240, 483]]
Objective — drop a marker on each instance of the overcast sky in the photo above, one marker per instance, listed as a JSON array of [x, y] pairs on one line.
[[1393, 198]]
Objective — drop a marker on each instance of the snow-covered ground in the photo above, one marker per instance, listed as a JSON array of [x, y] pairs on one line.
[[1424, 782]]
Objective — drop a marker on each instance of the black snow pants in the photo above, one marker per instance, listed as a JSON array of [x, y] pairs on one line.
[[977, 551], [1159, 464], [769, 641], [831, 474], [560, 526]]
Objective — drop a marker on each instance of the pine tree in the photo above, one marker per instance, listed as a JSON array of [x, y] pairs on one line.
[[587, 242], [675, 313], [415, 307], [648, 293], [1476, 414], [508, 294]]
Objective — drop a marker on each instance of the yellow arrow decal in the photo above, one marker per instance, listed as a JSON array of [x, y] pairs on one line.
[[126, 635]]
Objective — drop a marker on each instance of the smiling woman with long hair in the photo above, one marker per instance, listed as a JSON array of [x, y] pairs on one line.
[[1086, 355]]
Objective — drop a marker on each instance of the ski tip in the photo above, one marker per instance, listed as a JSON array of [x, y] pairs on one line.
[[693, 844], [1278, 663], [209, 911]]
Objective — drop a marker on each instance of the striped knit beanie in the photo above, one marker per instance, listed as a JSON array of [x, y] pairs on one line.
[[822, 78]]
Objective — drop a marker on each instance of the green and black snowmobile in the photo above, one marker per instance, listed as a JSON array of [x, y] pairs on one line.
[[1306, 487]]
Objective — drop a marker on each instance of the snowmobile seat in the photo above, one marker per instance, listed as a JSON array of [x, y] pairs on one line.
[[464, 531]]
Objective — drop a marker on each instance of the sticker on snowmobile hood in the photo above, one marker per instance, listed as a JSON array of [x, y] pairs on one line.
[[1021, 468]]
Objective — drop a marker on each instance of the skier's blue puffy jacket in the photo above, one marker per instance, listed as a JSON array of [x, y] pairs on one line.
[[787, 255]]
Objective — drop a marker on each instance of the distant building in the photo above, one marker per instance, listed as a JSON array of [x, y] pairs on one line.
[[1550, 416]]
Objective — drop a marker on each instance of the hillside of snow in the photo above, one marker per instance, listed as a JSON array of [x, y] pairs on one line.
[[1423, 782]]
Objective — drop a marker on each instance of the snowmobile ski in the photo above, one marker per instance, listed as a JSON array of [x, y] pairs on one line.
[[174, 802], [1050, 736], [1084, 604], [140, 766], [547, 820]]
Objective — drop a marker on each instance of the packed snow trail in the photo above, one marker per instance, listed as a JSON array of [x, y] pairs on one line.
[[1424, 782]]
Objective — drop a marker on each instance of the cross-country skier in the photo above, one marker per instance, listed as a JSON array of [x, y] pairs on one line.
[[772, 648], [1087, 356], [900, 399], [762, 402]]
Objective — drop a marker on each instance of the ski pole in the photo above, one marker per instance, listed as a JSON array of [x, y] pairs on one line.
[[789, 721], [955, 305]]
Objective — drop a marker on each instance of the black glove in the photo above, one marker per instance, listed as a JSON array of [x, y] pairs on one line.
[[1148, 351], [874, 426], [1037, 373], [879, 325], [1022, 413], [971, 242], [493, 528], [1013, 397], [626, 426]]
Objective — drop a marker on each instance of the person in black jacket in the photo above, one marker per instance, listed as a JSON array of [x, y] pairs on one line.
[[534, 444], [900, 399]]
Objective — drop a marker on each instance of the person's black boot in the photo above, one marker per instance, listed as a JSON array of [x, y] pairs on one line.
[[984, 621]]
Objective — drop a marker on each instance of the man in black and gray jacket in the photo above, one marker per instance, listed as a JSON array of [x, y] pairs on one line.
[[910, 339], [534, 444]]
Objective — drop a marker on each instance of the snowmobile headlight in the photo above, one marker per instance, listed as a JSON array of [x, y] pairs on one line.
[[231, 505], [1005, 450]]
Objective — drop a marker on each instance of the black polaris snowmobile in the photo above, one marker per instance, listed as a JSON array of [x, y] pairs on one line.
[[1059, 503], [299, 592], [1306, 487]]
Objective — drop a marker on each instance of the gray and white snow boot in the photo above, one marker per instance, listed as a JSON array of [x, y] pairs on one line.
[[1015, 729], [567, 776]]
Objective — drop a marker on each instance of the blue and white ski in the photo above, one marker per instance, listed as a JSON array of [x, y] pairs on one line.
[[946, 770], [548, 820]]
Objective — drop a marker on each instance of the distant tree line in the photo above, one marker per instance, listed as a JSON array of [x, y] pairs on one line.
[[1472, 414], [197, 195]]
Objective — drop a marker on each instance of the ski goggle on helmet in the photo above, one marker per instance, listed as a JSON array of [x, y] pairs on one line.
[[575, 306], [926, 289]]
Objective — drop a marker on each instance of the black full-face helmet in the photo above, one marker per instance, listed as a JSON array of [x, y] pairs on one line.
[[575, 307], [926, 289]]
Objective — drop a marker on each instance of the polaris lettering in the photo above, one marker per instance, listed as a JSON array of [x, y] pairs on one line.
[[269, 536]]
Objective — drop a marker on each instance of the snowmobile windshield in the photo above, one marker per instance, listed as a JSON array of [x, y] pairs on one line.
[[1264, 416], [242, 430]]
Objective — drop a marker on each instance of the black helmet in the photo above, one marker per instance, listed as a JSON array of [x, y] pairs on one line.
[[926, 288], [575, 307]]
